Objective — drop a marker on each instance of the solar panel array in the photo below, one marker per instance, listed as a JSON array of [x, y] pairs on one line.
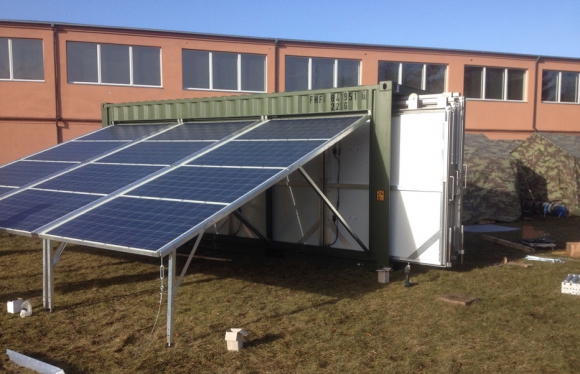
[[159, 192], [70, 154], [174, 206], [77, 185]]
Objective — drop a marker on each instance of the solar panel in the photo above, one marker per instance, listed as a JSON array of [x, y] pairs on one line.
[[30, 209], [267, 153], [313, 128], [4, 190], [98, 178], [202, 131], [75, 151], [136, 223], [158, 153], [165, 211], [205, 184], [21, 173], [124, 132]]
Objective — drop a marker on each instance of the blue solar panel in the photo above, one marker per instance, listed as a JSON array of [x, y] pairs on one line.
[[136, 223], [124, 132], [205, 184], [21, 173], [313, 128], [258, 153], [164, 153], [31, 209], [4, 190], [202, 131], [76, 151], [99, 178]]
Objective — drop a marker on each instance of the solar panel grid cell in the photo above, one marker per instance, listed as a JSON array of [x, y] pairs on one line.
[[31, 209], [314, 128], [4, 190], [138, 223], [205, 184], [155, 153], [99, 178], [21, 173], [265, 154], [202, 131], [124, 132], [76, 151]]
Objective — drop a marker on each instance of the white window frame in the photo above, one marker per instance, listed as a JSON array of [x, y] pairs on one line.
[[239, 73], [131, 84], [11, 64], [334, 70], [505, 84], [423, 72], [559, 88]]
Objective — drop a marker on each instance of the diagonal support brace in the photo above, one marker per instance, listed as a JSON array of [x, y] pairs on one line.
[[334, 210], [254, 230]]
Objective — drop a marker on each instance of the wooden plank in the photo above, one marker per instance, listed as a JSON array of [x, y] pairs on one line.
[[507, 243], [464, 300]]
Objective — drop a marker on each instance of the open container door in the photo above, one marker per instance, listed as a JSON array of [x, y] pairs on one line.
[[425, 182]]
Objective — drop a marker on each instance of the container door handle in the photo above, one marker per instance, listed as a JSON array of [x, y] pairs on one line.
[[465, 176], [452, 188]]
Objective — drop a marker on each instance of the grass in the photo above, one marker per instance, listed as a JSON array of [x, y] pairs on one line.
[[302, 317]]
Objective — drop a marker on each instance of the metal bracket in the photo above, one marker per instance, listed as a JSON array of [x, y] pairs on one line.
[[58, 252], [333, 209]]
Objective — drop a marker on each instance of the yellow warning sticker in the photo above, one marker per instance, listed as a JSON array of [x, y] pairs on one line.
[[380, 195]]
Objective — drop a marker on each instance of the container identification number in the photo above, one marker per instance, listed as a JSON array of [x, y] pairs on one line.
[[339, 101]]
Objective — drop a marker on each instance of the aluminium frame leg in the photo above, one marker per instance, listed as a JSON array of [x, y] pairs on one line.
[[47, 274], [173, 286], [45, 248], [170, 296], [49, 260]]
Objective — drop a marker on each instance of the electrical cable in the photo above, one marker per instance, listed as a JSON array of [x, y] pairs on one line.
[[240, 223], [336, 154], [161, 289]]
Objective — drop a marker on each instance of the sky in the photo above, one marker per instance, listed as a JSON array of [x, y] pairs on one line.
[[536, 27]]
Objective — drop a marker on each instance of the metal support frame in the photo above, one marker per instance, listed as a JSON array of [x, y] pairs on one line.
[[333, 209], [251, 227], [173, 286], [49, 260]]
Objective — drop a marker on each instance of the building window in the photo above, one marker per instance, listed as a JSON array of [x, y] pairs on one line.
[[560, 86], [204, 70], [427, 77], [306, 73], [494, 83], [113, 64], [21, 59]]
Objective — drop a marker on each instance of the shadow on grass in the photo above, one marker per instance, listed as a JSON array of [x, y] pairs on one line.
[[11, 252], [100, 283], [266, 339], [108, 299]]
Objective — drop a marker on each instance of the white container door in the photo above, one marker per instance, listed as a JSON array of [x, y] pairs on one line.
[[420, 181]]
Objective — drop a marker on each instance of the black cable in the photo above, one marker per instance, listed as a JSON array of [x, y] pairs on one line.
[[336, 154], [240, 225]]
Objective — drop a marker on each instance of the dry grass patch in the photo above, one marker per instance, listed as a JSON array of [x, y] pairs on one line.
[[301, 316]]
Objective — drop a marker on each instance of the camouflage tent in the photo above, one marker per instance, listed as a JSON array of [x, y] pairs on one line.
[[492, 183], [550, 168]]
